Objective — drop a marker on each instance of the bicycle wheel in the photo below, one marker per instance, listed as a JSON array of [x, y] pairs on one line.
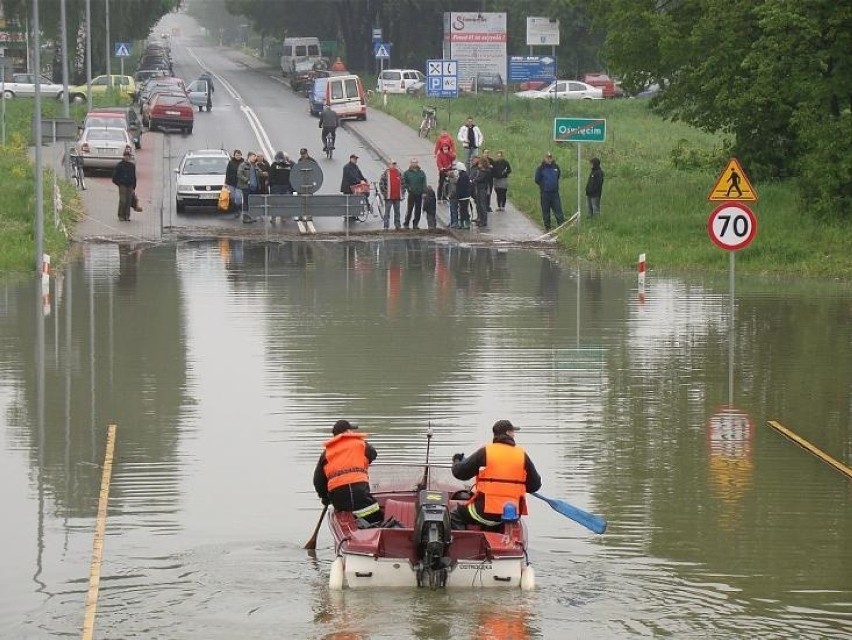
[[424, 128], [365, 210]]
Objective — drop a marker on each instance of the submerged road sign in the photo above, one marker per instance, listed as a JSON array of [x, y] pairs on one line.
[[579, 129], [732, 226], [733, 184]]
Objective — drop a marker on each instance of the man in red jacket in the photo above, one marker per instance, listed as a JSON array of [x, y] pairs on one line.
[[341, 477], [390, 185]]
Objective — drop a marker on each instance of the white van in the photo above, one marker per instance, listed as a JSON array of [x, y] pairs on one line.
[[346, 96], [398, 80], [299, 49]]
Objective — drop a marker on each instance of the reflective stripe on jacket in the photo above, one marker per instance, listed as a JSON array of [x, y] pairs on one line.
[[346, 460], [503, 478]]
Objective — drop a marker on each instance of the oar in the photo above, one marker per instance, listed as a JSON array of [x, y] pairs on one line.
[[312, 543], [593, 523]]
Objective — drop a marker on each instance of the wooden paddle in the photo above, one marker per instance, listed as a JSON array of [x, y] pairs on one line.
[[312, 543]]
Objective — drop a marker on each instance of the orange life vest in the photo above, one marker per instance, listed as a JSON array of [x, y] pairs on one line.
[[346, 460], [503, 478]]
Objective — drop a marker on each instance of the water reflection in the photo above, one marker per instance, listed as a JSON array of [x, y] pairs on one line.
[[225, 363]]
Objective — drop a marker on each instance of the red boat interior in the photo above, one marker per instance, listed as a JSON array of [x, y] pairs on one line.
[[469, 544]]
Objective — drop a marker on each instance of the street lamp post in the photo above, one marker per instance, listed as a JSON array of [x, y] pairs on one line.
[[39, 188], [89, 54]]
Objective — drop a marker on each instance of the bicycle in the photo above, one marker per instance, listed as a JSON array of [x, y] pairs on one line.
[[429, 121], [328, 142], [77, 173], [368, 208]]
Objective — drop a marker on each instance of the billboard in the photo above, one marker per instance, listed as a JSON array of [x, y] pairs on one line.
[[477, 41]]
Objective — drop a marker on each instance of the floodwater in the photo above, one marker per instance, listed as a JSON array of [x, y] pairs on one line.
[[224, 365]]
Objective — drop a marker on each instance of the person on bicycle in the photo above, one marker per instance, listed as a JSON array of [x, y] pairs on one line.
[[351, 175], [328, 122]]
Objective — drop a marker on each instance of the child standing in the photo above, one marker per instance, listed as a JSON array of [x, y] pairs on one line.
[[430, 206]]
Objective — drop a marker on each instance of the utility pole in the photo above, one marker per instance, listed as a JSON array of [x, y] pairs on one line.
[[63, 21], [108, 46], [39, 187], [89, 54]]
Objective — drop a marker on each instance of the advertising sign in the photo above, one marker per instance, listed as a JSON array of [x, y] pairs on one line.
[[542, 31], [525, 68], [477, 41]]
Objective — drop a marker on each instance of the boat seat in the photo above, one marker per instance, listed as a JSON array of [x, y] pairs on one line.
[[401, 511]]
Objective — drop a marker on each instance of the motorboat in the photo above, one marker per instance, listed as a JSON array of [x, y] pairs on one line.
[[415, 545]]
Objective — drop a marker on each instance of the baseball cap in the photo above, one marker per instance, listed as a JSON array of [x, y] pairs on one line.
[[503, 426], [343, 425], [352, 155]]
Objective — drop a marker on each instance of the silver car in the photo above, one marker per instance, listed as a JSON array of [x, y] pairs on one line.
[[103, 147], [200, 178]]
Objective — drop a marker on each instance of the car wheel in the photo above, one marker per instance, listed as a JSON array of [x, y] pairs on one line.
[[78, 97], [8, 95], [137, 143], [179, 206], [189, 130], [152, 126]]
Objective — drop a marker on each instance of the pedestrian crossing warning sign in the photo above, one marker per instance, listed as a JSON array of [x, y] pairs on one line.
[[733, 184]]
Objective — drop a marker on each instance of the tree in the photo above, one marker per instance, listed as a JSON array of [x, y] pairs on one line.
[[772, 74]]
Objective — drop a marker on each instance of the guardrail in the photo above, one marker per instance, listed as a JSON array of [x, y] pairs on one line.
[[303, 208]]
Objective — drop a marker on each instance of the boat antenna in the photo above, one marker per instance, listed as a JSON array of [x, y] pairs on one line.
[[428, 445]]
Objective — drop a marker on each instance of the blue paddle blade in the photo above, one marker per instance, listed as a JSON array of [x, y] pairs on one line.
[[593, 523]]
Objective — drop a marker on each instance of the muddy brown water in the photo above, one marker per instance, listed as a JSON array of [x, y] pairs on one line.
[[224, 365]]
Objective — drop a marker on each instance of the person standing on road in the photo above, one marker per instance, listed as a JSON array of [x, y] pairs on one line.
[[500, 170], [444, 138], [452, 183], [414, 182], [351, 175], [482, 190], [248, 181], [341, 477], [463, 192], [594, 188], [328, 122], [444, 159], [262, 173], [547, 178], [231, 181], [279, 174], [124, 177], [430, 208], [390, 184], [471, 138]]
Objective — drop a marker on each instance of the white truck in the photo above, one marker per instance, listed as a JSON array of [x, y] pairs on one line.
[[22, 85]]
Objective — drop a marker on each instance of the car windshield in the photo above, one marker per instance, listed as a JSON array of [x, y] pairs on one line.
[[116, 135], [205, 166], [171, 100], [116, 122]]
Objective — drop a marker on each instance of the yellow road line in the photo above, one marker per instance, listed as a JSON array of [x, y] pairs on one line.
[[98, 547], [842, 468]]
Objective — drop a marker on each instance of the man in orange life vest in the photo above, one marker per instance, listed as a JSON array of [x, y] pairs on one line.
[[504, 475], [340, 477]]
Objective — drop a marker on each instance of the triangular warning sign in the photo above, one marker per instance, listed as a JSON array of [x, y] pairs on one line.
[[733, 184], [381, 52]]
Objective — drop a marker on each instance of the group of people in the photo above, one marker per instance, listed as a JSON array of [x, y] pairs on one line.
[[503, 471], [254, 174]]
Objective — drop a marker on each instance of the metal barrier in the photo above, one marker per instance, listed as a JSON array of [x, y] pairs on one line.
[[305, 207]]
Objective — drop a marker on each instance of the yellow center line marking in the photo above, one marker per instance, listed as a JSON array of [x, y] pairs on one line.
[[842, 468], [98, 547]]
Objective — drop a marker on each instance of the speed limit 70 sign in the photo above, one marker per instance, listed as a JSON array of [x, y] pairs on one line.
[[732, 226]]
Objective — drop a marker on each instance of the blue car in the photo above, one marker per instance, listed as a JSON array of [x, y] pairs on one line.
[[316, 99]]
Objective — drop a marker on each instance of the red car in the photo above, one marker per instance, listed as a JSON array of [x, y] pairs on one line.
[[171, 110], [611, 88]]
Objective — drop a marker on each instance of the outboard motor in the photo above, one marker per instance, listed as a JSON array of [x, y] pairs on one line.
[[432, 538]]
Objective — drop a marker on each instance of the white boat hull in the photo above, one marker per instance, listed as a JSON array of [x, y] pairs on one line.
[[361, 571]]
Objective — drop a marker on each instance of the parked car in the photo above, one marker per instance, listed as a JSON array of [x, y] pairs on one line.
[[485, 82], [564, 90], [160, 84], [651, 91], [198, 91], [398, 80], [200, 177], [610, 88], [102, 147], [122, 117], [22, 85], [125, 85], [143, 75], [528, 85], [170, 110]]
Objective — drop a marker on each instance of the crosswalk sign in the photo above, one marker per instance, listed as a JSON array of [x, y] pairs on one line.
[[382, 50], [733, 184], [122, 49]]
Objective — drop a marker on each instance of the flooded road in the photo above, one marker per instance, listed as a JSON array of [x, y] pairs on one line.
[[225, 364]]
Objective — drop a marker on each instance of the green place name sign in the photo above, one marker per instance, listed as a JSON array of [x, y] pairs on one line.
[[579, 129]]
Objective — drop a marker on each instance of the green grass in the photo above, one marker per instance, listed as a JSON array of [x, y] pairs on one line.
[[17, 184], [658, 175]]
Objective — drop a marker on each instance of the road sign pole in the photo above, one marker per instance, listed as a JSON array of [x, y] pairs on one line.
[[579, 217]]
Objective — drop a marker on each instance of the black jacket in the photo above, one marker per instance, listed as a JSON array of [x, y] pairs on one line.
[[231, 172], [124, 174], [279, 173], [351, 175], [467, 468], [594, 185]]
